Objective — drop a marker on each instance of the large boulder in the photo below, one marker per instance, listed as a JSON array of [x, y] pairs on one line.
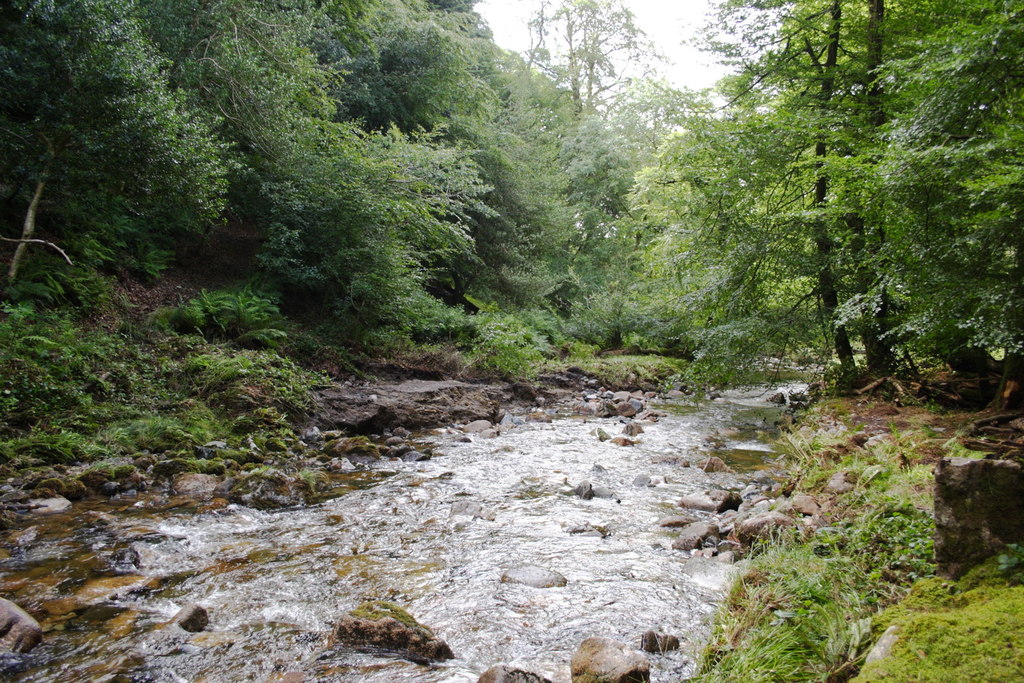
[[979, 509], [603, 660], [19, 632], [414, 404], [383, 626], [195, 485]]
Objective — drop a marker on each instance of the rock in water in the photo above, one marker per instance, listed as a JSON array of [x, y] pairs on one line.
[[658, 643], [192, 618], [382, 625], [269, 489], [19, 632], [715, 500], [503, 673], [603, 660], [693, 536], [537, 577], [584, 490]]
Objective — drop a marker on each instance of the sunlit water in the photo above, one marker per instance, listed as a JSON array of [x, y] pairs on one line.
[[274, 582]]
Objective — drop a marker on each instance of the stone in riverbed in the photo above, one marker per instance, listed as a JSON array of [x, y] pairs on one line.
[[269, 489], [192, 618], [195, 485], [804, 504], [503, 673], [584, 490], [713, 464], [715, 500], [19, 632], [633, 429], [603, 660], [382, 625], [693, 536], [47, 506], [536, 577], [622, 441], [477, 426], [676, 521], [658, 643]]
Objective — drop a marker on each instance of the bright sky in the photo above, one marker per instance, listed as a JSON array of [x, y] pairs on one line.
[[670, 24]]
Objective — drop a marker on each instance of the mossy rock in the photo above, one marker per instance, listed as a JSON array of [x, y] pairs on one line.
[[241, 457], [375, 610], [174, 467], [72, 489], [354, 447], [94, 479], [267, 489], [213, 467], [946, 634], [145, 460]]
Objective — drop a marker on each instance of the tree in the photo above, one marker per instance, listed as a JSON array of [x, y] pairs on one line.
[[591, 47], [87, 113]]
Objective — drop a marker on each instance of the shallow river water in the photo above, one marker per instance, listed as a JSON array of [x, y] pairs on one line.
[[274, 582]]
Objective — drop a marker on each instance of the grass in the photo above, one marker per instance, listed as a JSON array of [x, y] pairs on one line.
[[808, 608]]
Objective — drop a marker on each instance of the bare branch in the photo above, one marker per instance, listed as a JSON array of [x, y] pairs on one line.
[[35, 241]]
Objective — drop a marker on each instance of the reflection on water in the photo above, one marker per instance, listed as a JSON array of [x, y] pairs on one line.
[[274, 582]]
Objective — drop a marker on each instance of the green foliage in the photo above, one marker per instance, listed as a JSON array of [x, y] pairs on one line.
[[508, 346], [1011, 563], [244, 317]]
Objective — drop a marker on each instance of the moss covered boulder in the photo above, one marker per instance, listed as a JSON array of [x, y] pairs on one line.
[[382, 625], [269, 489]]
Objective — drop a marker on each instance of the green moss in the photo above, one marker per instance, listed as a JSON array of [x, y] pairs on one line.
[[380, 609], [176, 466], [975, 635]]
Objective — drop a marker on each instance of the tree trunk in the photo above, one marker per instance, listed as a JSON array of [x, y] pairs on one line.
[[28, 228], [1010, 395], [827, 292]]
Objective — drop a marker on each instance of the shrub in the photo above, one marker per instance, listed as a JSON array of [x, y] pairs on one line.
[[507, 346], [244, 317]]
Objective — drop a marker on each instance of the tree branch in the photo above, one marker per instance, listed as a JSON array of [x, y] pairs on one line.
[[35, 241]]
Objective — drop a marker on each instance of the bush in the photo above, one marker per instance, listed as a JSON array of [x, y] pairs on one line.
[[508, 346], [244, 317]]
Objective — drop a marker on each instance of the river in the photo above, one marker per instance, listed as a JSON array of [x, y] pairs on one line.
[[273, 582]]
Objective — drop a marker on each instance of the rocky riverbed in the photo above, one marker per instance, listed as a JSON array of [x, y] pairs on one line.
[[529, 523]]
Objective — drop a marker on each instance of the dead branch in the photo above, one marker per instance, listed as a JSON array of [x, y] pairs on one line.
[[36, 241]]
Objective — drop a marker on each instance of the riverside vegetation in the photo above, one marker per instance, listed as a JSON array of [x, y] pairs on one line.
[[224, 220]]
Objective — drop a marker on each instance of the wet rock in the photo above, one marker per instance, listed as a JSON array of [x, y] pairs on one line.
[[19, 632], [642, 480], [778, 398], [658, 643], [470, 509], [761, 527], [192, 618], [536, 577], [676, 521], [584, 490], [726, 557], [625, 409], [623, 441], [503, 673], [167, 469], [979, 508], [125, 561], [588, 529], [603, 492], [620, 396], [638, 404], [394, 441], [603, 435], [415, 456], [840, 482], [312, 436], [715, 500], [382, 625], [269, 489], [110, 489], [48, 506], [489, 434], [195, 485], [633, 429], [477, 426], [357, 449], [804, 504], [538, 416], [693, 536], [713, 464], [339, 465], [603, 660]]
